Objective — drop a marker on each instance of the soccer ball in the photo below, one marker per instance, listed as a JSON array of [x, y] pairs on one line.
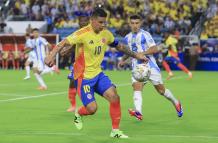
[[141, 72]]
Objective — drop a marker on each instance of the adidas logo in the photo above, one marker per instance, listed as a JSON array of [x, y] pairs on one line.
[[91, 42]]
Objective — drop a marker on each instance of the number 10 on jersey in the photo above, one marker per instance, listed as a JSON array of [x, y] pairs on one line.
[[97, 50]]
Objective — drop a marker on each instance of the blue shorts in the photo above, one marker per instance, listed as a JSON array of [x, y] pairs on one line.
[[71, 75], [98, 84], [172, 60]]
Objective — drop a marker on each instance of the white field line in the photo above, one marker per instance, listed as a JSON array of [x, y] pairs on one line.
[[12, 94], [79, 134], [183, 136], [64, 92], [26, 83], [34, 96]]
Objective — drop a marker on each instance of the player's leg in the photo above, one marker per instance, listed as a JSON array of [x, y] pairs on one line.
[[156, 80], [37, 69], [167, 67], [115, 112], [27, 68], [184, 68], [72, 96], [168, 95], [86, 92], [50, 70], [137, 99], [107, 89]]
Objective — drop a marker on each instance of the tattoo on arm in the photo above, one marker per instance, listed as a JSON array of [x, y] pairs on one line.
[[125, 57], [125, 50], [151, 50], [59, 47]]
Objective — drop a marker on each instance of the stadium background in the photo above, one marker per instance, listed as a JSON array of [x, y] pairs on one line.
[[184, 19], [29, 116]]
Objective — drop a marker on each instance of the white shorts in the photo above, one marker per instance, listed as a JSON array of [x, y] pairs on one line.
[[155, 77], [31, 58], [39, 65]]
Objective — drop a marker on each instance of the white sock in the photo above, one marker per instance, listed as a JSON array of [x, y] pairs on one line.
[[137, 98], [27, 71], [168, 94], [40, 80], [46, 70]]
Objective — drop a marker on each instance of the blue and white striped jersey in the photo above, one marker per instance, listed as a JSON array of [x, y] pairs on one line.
[[29, 44], [40, 45], [139, 42]]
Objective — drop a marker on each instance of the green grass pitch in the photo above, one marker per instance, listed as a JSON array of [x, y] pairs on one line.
[[31, 116]]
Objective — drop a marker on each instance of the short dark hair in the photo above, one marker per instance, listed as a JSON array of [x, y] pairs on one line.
[[99, 12], [35, 29], [27, 34], [135, 16]]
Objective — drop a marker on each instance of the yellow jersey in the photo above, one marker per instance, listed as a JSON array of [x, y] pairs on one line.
[[90, 50], [171, 41]]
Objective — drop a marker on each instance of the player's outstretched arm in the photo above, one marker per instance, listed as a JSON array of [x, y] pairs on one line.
[[49, 60], [66, 51], [152, 50], [49, 46], [122, 61], [128, 52]]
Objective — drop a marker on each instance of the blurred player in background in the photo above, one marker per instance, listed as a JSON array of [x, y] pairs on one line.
[[141, 41], [83, 21], [92, 42], [31, 55], [172, 56], [41, 48]]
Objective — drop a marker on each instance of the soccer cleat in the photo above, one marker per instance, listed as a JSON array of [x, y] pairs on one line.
[[42, 88], [179, 109], [71, 109], [26, 78], [118, 134], [78, 121], [137, 114]]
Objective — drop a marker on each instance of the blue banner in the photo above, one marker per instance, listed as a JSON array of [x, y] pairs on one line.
[[208, 62]]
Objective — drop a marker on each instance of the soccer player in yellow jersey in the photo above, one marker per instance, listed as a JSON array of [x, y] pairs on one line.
[[92, 42]]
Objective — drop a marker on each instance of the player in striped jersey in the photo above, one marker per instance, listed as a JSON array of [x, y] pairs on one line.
[[141, 41], [31, 55], [41, 47]]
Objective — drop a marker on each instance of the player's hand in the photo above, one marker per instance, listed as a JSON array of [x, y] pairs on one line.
[[49, 61], [121, 64], [141, 56]]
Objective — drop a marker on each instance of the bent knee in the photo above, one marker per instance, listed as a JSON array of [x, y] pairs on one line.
[[161, 91], [114, 98], [91, 109]]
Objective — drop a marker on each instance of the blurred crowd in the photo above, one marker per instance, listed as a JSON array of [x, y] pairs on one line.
[[12, 59], [159, 15]]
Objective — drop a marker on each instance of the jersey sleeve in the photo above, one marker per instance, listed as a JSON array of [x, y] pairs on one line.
[[44, 41], [149, 40], [74, 38], [28, 44], [112, 42]]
